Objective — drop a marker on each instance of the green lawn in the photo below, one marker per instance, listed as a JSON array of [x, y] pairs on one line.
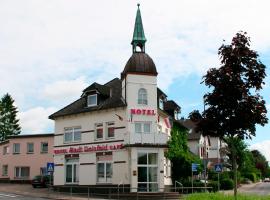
[[219, 196]]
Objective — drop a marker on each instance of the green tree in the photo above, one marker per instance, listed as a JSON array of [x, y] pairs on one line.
[[260, 162], [179, 154], [9, 124], [234, 106]]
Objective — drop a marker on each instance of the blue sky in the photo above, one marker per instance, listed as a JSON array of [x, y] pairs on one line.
[[52, 49]]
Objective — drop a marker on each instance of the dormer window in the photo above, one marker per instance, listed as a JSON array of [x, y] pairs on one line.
[[92, 100], [142, 96], [161, 104]]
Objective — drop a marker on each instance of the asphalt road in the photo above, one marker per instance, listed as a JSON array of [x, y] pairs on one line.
[[10, 196], [258, 189]]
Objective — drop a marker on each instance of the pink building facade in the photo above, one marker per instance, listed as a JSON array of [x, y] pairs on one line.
[[24, 156]]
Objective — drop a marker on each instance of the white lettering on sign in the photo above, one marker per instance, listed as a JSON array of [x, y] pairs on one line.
[[142, 112], [88, 149]]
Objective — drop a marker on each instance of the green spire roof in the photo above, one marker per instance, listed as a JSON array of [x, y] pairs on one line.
[[138, 34]]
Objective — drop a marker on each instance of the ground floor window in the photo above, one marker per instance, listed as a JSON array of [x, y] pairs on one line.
[[104, 172], [72, 170], [147, 172], [43, 171], [22, 172], [5, 170]]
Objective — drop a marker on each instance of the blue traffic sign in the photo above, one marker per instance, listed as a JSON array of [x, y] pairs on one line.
[[50, 167], [218, 168], [194, 167]]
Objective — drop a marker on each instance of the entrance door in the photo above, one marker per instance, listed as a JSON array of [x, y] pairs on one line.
[[147, 172]]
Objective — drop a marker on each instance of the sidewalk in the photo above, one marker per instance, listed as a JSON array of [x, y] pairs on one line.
[[241, 189], [28, 190]]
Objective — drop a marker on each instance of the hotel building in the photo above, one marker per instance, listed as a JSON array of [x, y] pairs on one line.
[[117, 132]]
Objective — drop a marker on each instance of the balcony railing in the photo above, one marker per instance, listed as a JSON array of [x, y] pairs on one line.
[[146, 138]]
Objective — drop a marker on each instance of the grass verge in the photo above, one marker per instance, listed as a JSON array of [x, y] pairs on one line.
[[220, 196]]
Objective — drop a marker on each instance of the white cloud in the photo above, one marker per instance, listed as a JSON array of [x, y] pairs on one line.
[[64, 91], [47, 44], [263, 147], [35, 120]]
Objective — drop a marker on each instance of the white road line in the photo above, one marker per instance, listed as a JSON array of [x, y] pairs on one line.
[[8, 195]]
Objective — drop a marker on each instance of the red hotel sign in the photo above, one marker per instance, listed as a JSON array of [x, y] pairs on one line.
[[142, 112], [88, 149]]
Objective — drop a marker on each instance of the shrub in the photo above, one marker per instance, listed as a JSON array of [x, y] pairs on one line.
[[214, 185], [212, 175], [226, 184], [251, 176], [224, 175]]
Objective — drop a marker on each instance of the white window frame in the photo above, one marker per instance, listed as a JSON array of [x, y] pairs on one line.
[[72, 163], [5, 170], [41, 147], [18, 151], [72, 131], [20, 172], [88, 101], [105, 179], [142, 96], [148, 166], [142, 127], [30, 143]]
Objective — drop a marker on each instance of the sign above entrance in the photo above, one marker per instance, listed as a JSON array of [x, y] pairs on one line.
[[142, 111], [88, 149]]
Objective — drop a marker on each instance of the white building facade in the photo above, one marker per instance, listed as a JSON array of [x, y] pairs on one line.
[[117, 133]]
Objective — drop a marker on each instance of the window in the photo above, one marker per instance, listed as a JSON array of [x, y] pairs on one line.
[[99, 131], [142, 127], [5, 150], [72, 134], [30, 147], [142, 96], [16, 148], [104, 172], [72, 170], [147, 172], [110, 129], [159, 129], [161, 104], [92, 100], [175, 114], [22, 172], [44, 147], [167, 164], [5, 170], [43, 171]]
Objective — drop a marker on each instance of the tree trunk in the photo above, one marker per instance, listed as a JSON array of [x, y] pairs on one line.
[[234, 165]]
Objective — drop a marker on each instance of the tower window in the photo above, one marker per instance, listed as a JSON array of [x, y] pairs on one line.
[[142, 96], [161, 104]]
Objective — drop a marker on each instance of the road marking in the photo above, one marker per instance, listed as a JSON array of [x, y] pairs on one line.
[[8, 195]]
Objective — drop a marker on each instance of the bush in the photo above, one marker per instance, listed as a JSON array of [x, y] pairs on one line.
[[214, 185], [251, 176], [212, 175], [196, 183], [226, 184], [224, 175]]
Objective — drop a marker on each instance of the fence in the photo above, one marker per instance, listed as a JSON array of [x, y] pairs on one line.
[[120, 192]]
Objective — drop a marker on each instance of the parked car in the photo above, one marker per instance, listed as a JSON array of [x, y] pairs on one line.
[[42, 181], [266, 180]]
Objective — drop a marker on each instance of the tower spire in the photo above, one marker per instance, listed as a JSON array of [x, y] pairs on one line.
[[138, 39]]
